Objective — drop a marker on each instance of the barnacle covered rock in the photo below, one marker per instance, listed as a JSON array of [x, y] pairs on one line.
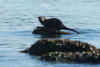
[[43, 30], [64, 45], [72, 57], [65, 50]]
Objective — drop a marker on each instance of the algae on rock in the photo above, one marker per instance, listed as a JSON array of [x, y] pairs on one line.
[[65, 50]]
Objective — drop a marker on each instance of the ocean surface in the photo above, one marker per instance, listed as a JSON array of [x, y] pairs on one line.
[[18, 18]]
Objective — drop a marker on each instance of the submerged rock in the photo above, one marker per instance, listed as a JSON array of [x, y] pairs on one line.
[[64, 50], [43, 30]]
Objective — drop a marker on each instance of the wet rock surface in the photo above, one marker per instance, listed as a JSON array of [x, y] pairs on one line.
[[72, 57], [65, 50], [43, 30]]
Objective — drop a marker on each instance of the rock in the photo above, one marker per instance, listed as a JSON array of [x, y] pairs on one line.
[[72, 57], [43, 30], [64, 50], [65, 45]]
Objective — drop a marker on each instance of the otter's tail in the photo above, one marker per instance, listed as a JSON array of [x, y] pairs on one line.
[[66, 28]]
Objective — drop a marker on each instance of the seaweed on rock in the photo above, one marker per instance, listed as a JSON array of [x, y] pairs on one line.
[[64, 45], [72, 57], [64, 50]]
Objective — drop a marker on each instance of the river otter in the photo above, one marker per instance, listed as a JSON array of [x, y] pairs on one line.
[[54, 24]]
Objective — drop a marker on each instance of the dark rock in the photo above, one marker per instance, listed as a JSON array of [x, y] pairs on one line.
[[64, 45], [43, 30], [72, 57], [65, 50]]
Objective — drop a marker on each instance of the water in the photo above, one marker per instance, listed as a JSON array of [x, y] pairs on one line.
[[18, 18]]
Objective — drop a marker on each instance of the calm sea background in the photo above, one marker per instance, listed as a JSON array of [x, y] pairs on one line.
[[18, 18]]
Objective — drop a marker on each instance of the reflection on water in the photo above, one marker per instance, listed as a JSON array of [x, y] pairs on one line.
[[19, 18]]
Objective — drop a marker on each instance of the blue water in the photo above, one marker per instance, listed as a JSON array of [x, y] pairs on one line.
[[18, 18]]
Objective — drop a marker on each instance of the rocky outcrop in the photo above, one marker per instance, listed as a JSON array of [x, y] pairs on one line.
[[65, 50]]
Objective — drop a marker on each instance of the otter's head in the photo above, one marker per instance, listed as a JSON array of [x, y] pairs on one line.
[[41, 19]]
